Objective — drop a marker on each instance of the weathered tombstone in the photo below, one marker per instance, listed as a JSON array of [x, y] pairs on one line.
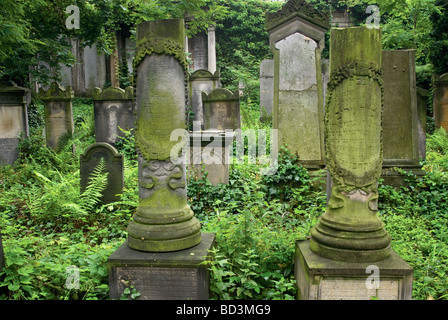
[[266, 88], [165, 247], [440, 100], [90, 159], [13, 120], [221, 109], [400, 116], [202, 47], [201, 81], [210, 151], [422, 106], [296, 35], [349, 242], [113, 108], [58, 112]]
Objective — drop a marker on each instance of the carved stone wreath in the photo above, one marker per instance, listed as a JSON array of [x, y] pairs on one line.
[[343, 177]]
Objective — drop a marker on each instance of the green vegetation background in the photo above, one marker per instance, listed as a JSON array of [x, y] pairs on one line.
[[48, 225]]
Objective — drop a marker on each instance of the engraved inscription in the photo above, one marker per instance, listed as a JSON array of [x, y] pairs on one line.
[[159, 283], [355, 289], [354, 133]]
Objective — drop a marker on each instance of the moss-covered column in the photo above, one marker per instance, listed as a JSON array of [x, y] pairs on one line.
[[163, 221], [350, 229]]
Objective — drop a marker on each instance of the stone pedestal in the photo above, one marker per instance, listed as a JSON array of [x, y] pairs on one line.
[[210, 150], [319, 278], [178, 275]]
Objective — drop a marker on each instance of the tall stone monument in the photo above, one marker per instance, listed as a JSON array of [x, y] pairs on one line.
[[201, 81], [14, 102], [113, 108], [400, 116], [296, 36], [440, 100], [165, 247], [422, 107], [58, 112], [350, 241], [266, 87]]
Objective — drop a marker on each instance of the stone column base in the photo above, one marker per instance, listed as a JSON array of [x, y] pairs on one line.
[[318, 278], [175, 275]]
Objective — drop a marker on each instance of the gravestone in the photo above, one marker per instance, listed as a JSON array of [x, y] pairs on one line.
[[349, 239], [201, 81], [440, 100], [422, 107], [202, 48], [90, 159], [221, 109], [113, 108], [58, 112], [400, 116], [296, 36], [14, 102], [210, 151], [165, 248], [266, 87]]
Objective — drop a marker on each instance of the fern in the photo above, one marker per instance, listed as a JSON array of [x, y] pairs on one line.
[[438, 141], [97, 184]]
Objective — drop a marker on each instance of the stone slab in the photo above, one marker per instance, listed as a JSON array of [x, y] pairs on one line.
[[178, 275], [266, 87], [211, 151], [400, 118], [440, 100], [324, 279], [114, 166]]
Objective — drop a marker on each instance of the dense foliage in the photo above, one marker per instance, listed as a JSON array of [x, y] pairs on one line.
[[49, 226], [34, 38]]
